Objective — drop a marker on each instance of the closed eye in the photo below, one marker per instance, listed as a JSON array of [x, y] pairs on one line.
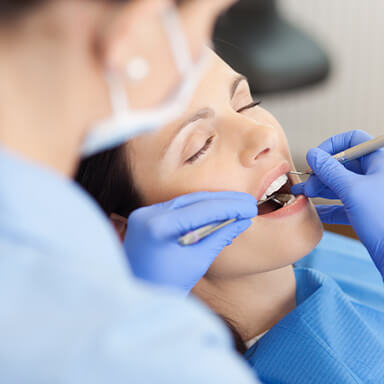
[[249, 106], [201, 151]]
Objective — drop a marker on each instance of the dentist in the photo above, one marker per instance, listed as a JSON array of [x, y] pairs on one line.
[[81, 76]]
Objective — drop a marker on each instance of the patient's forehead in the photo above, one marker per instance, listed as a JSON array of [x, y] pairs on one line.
[[216, 79], [217, 70]]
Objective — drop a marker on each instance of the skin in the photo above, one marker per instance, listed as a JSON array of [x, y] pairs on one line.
[[244, 146], [53, 65]]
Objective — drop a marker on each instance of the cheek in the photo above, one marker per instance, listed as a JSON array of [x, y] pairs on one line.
[[213, 175], [268, 245], [162, 183]]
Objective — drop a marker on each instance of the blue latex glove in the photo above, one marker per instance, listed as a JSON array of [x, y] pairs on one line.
[[359, 185], [151, 241]]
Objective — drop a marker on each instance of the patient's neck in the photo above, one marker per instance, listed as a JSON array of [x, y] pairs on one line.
[[253, 304]]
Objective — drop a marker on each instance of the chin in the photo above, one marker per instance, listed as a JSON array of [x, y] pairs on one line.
[[270, 243]]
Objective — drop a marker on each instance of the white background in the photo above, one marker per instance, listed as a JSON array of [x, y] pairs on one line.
[[352, 31]]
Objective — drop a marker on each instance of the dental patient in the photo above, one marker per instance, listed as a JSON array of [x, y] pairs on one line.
[[294, 325]]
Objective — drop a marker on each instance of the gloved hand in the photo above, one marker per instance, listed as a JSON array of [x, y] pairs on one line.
[[151, 241], [359, 185]]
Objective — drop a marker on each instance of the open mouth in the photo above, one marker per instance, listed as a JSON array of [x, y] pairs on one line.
[[278, 195]]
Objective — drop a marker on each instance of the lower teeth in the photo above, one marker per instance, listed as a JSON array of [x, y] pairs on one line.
[[284, 199]]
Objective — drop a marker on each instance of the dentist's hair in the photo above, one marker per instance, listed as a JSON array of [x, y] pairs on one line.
[[11, 9], [14, 8]]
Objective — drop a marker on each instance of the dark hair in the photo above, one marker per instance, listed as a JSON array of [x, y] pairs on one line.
[[108, 178], [16, 7], [10, 9]]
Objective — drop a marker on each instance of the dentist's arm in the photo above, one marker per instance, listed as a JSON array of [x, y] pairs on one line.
[[151, 241], [359, 184]]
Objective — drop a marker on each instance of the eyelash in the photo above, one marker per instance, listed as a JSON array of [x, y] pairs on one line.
[[204, 149], [208, 143], [249, 106]]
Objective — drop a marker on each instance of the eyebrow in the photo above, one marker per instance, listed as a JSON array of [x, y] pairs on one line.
[[236, 84], [204, 113]]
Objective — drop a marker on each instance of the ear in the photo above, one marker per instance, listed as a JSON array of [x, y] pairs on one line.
[[122, 32], [120, 223]]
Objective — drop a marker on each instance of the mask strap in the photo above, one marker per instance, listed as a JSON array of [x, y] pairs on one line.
[[117, 93], [127, 123], [177, 40]]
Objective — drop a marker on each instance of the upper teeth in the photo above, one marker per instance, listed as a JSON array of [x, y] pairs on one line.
[[275, 186]]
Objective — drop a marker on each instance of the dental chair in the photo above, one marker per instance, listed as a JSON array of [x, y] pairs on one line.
[[274, 54]]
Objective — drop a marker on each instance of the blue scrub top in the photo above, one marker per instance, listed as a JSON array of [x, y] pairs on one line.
[[70, 309], [328, 338]]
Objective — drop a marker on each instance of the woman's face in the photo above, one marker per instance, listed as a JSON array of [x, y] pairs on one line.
[[224, 142]]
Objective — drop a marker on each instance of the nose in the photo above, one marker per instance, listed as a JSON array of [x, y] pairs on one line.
[[259, 141]]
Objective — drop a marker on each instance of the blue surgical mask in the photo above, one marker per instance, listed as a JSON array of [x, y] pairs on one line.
[[125, 123]]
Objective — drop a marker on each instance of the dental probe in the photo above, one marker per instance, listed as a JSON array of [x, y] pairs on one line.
[[352, 153], [195, 236]]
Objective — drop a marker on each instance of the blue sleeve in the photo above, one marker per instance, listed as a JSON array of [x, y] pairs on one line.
[[58, 325]]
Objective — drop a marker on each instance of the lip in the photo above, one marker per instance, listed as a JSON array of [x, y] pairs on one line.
[[298, 205], [282, 169]]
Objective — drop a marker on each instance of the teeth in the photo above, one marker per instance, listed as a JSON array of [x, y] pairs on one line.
[[283, 199], [275, 186], [290, 200]]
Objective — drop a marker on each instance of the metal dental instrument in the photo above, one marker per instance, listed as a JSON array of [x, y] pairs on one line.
[[195, 236], [352, 153]]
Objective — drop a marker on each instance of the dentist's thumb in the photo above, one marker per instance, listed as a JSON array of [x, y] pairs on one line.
[[330, 172]]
